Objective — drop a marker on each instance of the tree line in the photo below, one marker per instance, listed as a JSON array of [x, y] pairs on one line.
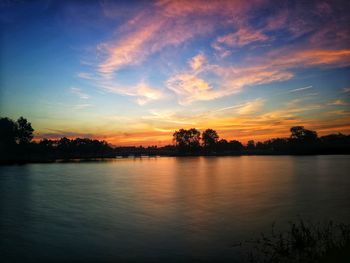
[[16, 145], [300, 141]]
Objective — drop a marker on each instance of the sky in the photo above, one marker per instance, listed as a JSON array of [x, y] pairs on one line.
[[133, 72]]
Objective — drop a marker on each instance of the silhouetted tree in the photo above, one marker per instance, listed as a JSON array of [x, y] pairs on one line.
[[210, 138], [277, 145], [335, 143], [250, 145], [187, 140], [46, 145], [180, 139], [8, 133], [63, 146], [303, 141], [24, 131], [222, 146], [301, 134], [235, 146], [260, 146]]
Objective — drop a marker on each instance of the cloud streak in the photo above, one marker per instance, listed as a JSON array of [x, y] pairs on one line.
[[78, 92], [300, 89], [143, 92]]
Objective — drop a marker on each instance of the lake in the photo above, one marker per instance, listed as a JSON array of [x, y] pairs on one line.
[[162, 209]]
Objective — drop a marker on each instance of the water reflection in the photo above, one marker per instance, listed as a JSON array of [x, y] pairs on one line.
[[162, 208]]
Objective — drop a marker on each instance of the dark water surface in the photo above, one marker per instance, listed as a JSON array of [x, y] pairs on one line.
[[162, 209]]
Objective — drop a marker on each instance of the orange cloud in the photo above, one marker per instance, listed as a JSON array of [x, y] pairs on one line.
[[199, 7], [189, 88], [197, 62], [309, 57], [143, 92], [242, 37], [129, 51]]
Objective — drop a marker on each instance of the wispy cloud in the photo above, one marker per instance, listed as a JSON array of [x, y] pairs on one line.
[[300, 89], [81, 106], [188, 87], [197, 62], [338, 102], [247, 108], [278, 67], [143, 92], [78, 92], [86, 75], [146, 93], [251, 107], [242, 37], [162, 116]]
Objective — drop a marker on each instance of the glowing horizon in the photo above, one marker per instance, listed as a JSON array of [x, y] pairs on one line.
[[132, 73]]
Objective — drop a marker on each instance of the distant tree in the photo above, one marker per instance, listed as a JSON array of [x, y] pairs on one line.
[[64, 145], [235, 146], [251, 145], [24, 131], [46, 144], [335, 143], [187, 140], [303, 141], [8, 132], [194, 139], [260, 146], [301, 134], [222, 146], [180, 138], [210, 138], [335, 138], [279, 145]]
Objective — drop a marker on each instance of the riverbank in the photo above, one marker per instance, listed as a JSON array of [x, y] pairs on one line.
[[109, 158]]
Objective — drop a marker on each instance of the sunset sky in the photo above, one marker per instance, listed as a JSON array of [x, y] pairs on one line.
[[133, 72]]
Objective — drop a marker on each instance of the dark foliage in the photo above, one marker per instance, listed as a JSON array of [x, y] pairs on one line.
[[303, 242], [301, 141], [16, 145], [187, 141], [210, 138]]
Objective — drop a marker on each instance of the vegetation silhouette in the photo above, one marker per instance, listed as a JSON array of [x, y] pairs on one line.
[[187, 141], [210, 140], [302, 241], [17, 145]]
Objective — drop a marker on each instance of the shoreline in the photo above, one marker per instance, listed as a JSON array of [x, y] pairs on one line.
[[119, 157]]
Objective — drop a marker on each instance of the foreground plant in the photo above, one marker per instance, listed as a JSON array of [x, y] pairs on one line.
[[303, 242]]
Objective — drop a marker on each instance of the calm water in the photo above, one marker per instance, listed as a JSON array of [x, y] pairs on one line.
[[162, 209]]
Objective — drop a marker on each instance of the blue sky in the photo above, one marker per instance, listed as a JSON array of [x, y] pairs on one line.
[[133, 72]]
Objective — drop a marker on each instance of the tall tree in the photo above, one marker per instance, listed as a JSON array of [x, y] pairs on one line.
[[24, 131], [210, 139], [187, 140], [251, 145], [299, 133], [8, 132], [194, 139]]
